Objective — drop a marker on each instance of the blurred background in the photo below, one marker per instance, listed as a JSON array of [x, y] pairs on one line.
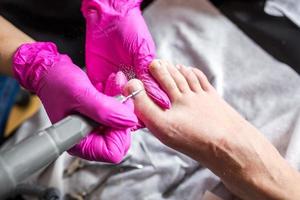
[[62, 22]]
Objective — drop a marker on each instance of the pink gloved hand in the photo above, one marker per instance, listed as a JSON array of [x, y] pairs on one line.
[[117, 38], [112, 144], [65, 89]]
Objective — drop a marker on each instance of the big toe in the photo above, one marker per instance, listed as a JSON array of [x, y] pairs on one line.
[[144, 107]]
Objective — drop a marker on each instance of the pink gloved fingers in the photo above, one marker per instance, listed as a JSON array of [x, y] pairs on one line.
[[154, 91], [99, 61], [108, 145], [106, 110], [103, 143], [64, 88], [117, 38], [83, 96], [31, 60], [115, 84]]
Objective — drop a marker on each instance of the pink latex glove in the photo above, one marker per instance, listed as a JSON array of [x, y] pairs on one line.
[[117, 140], [65, 89], [117, 38]]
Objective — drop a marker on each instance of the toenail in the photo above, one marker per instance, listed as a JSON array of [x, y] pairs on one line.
[[156, 65]]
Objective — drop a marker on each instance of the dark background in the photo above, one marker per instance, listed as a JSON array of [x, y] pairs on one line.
[[61, 21]]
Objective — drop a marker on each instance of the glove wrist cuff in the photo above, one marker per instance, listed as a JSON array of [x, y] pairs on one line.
[[31, 61]]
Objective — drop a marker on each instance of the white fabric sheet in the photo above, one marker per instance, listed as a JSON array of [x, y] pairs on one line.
[[288, 8]]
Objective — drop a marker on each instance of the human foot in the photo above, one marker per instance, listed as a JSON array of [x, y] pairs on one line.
[[203, 126], [198, 115]]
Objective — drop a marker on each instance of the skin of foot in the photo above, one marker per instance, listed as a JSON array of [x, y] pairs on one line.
[[203, 126]]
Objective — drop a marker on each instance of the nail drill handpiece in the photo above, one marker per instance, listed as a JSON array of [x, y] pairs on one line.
[[42, 148]]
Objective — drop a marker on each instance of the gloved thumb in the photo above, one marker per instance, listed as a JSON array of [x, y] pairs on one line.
[[105, 109], [115, 84], [152, 88]]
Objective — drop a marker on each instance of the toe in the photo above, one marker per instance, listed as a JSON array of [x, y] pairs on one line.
[[190, 77], [206, 86], [159, 70], [144, 107], [179, 79]]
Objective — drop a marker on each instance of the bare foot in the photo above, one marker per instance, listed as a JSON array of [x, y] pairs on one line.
[[198, 115], [203, 126]]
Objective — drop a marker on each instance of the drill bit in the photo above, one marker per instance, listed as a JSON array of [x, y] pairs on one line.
[[123, 99]]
